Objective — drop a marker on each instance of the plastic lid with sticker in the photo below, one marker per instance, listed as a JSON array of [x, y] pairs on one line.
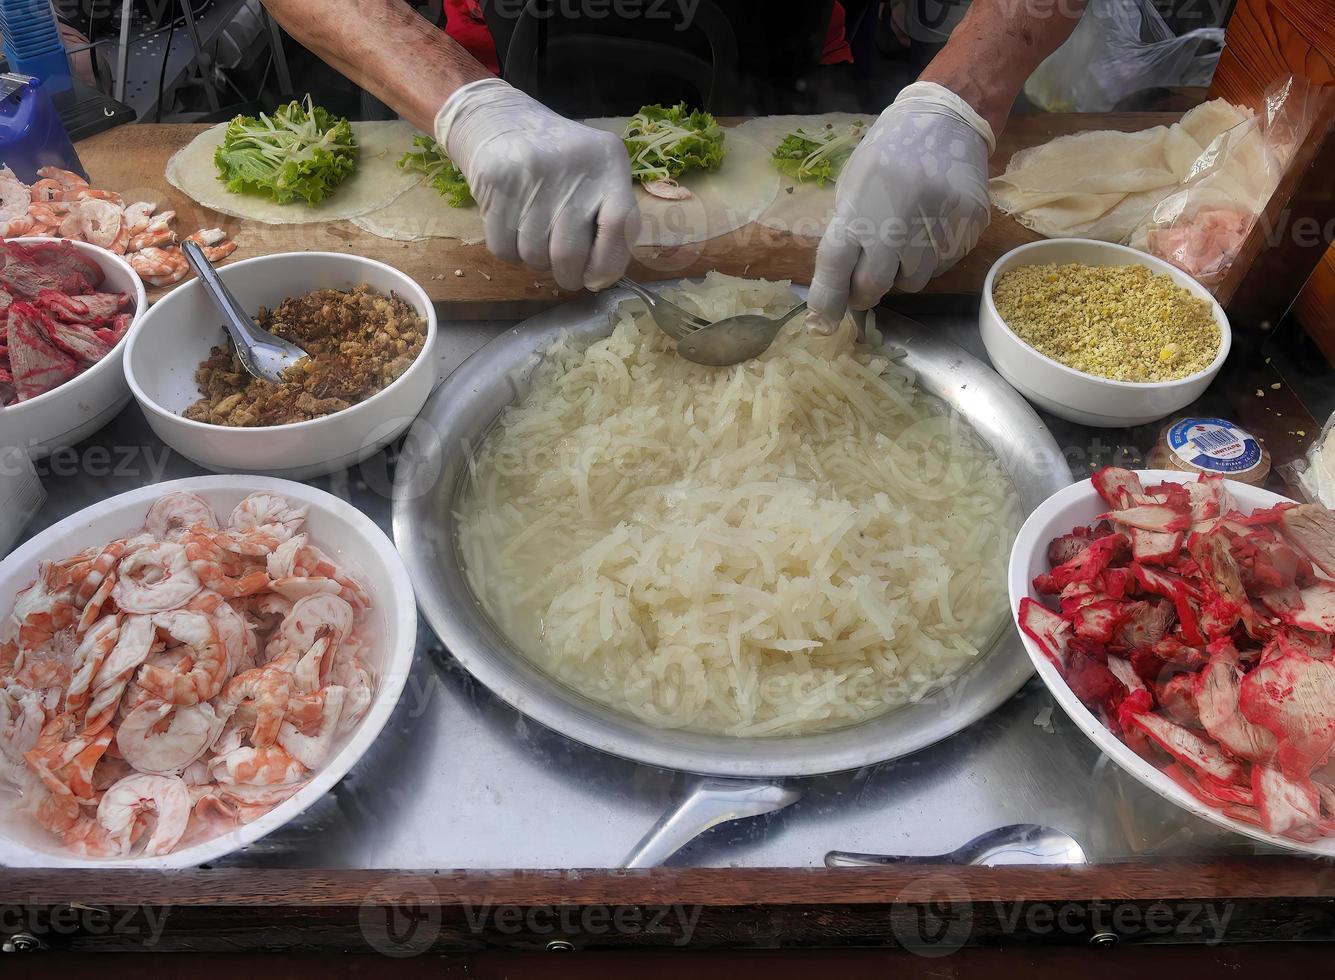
[[1213, 445]]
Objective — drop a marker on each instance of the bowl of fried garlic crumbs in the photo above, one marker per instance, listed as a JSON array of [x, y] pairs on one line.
[[367, 329], [1101, 334], [357, 342]]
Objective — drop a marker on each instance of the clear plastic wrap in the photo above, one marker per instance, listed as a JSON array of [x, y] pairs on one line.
[[1201, 226], [1121, 47]]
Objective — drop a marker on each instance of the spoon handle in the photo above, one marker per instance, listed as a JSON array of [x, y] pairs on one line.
[[245, 335], [852, 859]]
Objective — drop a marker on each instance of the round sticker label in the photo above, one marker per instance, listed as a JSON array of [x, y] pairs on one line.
[[1215, 445]]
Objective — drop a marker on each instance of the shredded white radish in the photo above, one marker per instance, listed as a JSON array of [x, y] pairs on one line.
[[790, 545]]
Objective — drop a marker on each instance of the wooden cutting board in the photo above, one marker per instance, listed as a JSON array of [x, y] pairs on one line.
[[469, 282]]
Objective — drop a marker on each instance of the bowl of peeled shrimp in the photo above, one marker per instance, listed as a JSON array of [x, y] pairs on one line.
[[186, 667], [71, 308]]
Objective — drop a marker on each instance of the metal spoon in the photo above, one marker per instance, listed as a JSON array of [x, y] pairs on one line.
[[734, 339], [709, 802], [1021, 843], [672, 319], [262, 354]]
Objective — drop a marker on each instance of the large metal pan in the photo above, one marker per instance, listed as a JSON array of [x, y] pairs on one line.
[[466, 405]]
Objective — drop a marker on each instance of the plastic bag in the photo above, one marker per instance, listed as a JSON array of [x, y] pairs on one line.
[[1121, 47], [1314, 473], [1201, 226]]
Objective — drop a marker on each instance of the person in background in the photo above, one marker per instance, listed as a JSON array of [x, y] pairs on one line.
[[556, 195]]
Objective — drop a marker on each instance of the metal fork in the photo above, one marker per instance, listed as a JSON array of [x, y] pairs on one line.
[[717, 344], [674, 321]]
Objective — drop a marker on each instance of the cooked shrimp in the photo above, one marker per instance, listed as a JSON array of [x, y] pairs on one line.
[[298, 559], [14, 197], [266, 690], [40, 615], [354, 677], [132, 648], [160, 266], [17, 227], [46, 189], [268, 511], [211, 815], [162, 739], [313, 617], [208, 671], [156, 578], [93, 194], [213, 242], [78, 773], [138, 215], [312, 750], [136, 708], [233, 630], [90, 576], [47, 216], [312, 669], [268, 765], [172, 513], [95, 222], [66, 178], [129, 805], [204, 563], [97, 644], [60, 814], [264, 611], [156, 233]]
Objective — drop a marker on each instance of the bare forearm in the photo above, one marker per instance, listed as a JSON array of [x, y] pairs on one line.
[[996, 47], [385, 47]]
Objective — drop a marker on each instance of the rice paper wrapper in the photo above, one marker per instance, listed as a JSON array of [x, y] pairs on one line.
[[377, 181]]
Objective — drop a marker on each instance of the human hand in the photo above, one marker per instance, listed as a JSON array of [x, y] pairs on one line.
[[554, 194], [911, 201]]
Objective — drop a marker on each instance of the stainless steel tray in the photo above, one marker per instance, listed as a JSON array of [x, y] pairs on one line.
[[458, 779], [461, 411]]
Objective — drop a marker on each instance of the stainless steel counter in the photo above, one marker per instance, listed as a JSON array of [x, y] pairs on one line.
[[459, 780]]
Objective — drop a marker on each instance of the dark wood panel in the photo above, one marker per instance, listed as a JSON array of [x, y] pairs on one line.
[[1315, 306], [1307, 960], [1261, 877]]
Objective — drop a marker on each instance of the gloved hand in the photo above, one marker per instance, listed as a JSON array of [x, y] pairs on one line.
[[554, 194], [910, 202]]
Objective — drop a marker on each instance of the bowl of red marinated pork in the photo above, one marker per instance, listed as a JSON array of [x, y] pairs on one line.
[[66, 308], [1185, 625]]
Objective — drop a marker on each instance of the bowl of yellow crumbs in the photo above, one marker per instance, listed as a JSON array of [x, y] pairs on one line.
[[1101, 334]]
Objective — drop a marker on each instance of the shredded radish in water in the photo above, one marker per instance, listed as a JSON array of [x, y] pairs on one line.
[[790, 545]]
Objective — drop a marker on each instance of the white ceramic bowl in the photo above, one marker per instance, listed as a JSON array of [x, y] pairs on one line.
[[177, 333], [1080, 504], [338, 528], [1075, 395], [78, 408]]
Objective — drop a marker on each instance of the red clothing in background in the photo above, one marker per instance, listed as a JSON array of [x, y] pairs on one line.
[[465, 22], [836, 50]]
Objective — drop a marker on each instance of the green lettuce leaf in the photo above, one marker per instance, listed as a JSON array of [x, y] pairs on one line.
[[665, 143], [817, 156], [301, 151], [441, 173]]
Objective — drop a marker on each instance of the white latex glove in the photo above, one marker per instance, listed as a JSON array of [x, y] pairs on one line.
[[910, 202], [554, 194]]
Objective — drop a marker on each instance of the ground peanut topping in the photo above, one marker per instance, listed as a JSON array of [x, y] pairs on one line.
[[1121, 322], [357, 342]]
